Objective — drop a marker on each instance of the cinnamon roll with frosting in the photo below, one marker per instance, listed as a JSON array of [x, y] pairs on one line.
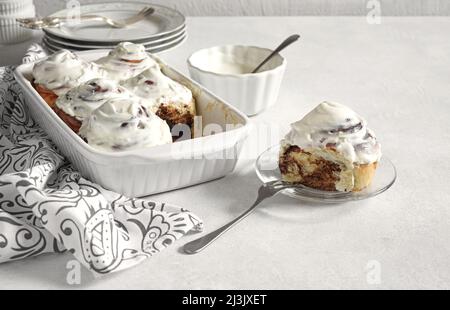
[[126, 60], [124, 124], [79, 102], [122, 101], [60, 72], [330, 149], [169, 99]]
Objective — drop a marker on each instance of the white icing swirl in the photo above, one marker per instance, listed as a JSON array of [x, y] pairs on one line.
[[64, 70], [123, 124], [333, 124], [85, 98], [157, 88], [126, 61]]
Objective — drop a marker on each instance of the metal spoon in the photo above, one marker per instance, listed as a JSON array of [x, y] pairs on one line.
[[266, 190], [291, 39]]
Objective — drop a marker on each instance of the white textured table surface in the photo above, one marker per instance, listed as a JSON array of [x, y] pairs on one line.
[[396, 75]]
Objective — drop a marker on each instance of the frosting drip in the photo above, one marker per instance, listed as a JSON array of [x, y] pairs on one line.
[[332, 124]]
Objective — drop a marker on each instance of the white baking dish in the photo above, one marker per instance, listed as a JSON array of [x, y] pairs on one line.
[[149, 170]]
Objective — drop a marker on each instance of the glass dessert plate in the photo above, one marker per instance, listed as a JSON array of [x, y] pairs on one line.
[[267, 170]]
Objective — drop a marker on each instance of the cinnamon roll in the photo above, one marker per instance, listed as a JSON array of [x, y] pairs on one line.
[[169, 99], [79, 102], [126, 60], [60, 72], [124, 124], [330, 149]]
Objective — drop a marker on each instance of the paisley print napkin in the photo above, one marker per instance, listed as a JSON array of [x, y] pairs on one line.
[[46, 206], [34, 52]]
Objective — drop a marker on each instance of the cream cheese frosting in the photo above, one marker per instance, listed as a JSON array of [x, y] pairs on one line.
[[157, 88], [64, 70], [85, 98], [123, 124], [333, 124], [126, 61]]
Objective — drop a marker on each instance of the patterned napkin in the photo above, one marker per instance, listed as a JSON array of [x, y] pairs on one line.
[[46, 206]]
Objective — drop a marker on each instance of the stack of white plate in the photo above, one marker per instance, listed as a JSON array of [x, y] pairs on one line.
[[163, 30]]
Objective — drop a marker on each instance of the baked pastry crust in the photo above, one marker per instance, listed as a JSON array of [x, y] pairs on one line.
[[46, 94], [50, 98], [70, 121], [363, 175]]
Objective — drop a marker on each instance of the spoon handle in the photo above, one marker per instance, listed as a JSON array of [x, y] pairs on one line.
[[291, 39], [265, 191]]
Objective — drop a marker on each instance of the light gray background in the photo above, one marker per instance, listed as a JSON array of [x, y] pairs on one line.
[[396, 75], [280, 7]]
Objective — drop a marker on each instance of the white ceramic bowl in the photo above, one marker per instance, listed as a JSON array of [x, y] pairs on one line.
[[10, 19], [10, 31], [154, 169], [14, 7], [14, 34], [224, 70]]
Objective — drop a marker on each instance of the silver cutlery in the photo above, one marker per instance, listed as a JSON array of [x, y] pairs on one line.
[[266, 190], [291, 39], [49, 22]]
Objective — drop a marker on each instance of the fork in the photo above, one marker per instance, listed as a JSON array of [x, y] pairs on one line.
[[266, 190], [48, 22]]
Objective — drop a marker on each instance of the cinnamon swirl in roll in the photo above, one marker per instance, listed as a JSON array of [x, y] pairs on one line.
[[169, 99], [60, 72], [126, 60], [330, 149], [122, 124], [79, 102]]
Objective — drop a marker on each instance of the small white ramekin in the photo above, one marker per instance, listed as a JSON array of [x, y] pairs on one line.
[[10, 30], [14, 7], [249, 92], [7, 20], [14, 34]]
